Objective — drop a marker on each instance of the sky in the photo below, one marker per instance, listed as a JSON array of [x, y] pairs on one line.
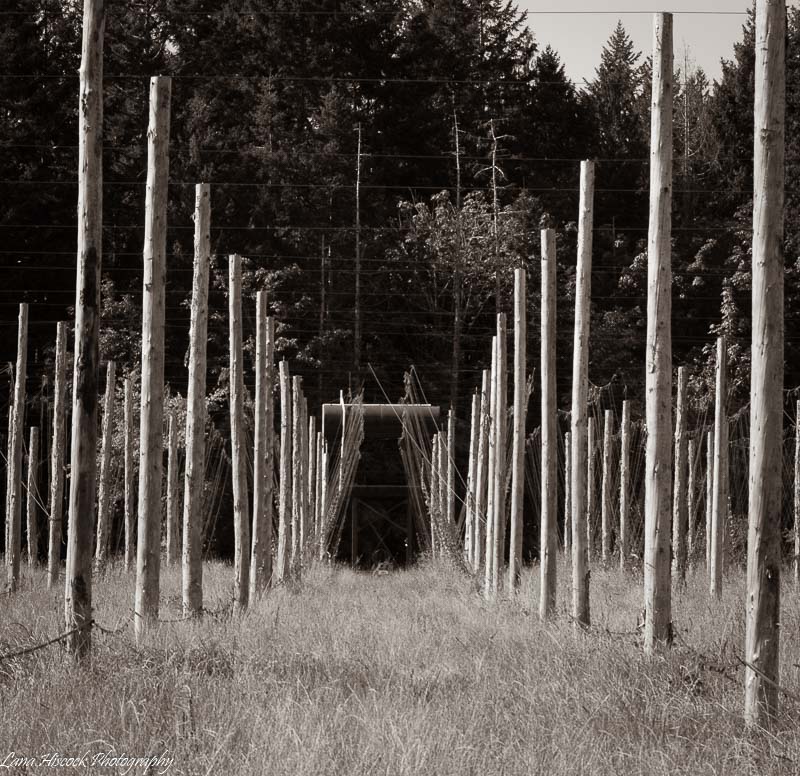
[[579, 36]]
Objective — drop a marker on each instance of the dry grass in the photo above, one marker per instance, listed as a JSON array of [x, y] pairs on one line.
[[410, 673]]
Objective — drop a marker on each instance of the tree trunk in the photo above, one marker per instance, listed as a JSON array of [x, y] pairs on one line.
[[518, 430], [606, 507], [719, 506], [173, 474], [766, 386], [130, 483], [624, 484], [33, 495], [57, 457], [285, 482], [680, 509], [104, 497]]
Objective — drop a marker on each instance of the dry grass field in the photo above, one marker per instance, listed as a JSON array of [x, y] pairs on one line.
[[408, 673]]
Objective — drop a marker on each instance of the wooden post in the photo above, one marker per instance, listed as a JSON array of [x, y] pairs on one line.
[[591, 481], [323, 485], [491, 524], [766, 385], [444, 468], [130, 484], [194, 476], [548, 521], [306, 504], [709, 497], [607, 508], [482, 464], [796, 563], [450, 454], [518, 432], [260, 549], [357, 295], [469, 527], [311, 470], [680, 507], [241, 526], [14, 541], [151, 433], [297, 480], [501, 456], [78, 585], [568, 495], [33, 495], [624, 484], [580, 390], [691, 500], [173, 474], [104, 496], [719, 505], [658, 405], [57, 457], [285, 482]]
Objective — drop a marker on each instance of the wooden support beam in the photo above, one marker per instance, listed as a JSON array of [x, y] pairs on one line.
[[32, 507], [568, 494], [719, 506], [57, 456], [104, 496], [606, 506], [591, 483], [297, 477], [691, 500], [173, 504], [469, 522], [500, 471], [680, 505], [482, 465], [518, 429], [624, 485], [709, 497], [260, 549], [285, 481], [129, 495], [491, 524]]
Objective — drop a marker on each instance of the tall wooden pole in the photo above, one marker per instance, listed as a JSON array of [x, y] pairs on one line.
[[259, 549], [491, 523], [796, 563], [285, 482], [311, 482], [548, 521], [151, 433], [568, 494], [501, 455], [241, 524], [469, 523], [194, 476], [435, 494], [606, 507], [78, 585], [104, 496], [766, 385], [130, 484], [32, 496], [357, 300], [518, 429], [719, 505], [691, 500], [591, 481], [173, 482], [481, 465], [14, 545], [624, 484], [297, 480], [57, 457], [658, 383], [709, 497], [450, 454], [680, 505], [580, 393]]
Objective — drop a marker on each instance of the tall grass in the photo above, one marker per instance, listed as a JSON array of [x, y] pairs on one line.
[[409, 673]]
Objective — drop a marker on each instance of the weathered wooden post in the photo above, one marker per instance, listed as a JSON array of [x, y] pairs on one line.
[[580, 392], [709, 497], [766, 385], [568, 494], [691, 500], [296, 478], [285, 482], [719, 506], [796, 563], [624, 484], [606, 508], [173, 474], [241, 525], [435, 493], [151, 434], [591, 481], [130, 484], [491, 525], [680, 510], [78, 585], [518, 430], [469, 523], [450, 454], [14, 518], [194, 476], [658, 405], [311, 482], [57, 456], [500, 453], [33, 494], [104, 496], [482, 465], [548, 520], [259, 549]]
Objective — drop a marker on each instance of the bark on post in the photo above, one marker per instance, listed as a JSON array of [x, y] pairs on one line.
[[450, 483], [482, 465], [796, 563], [241, 525], [489, 555], [57, 457], [766, 385], [591, 481], [151, 432], [296, 478], [719, 505], [130, 484], [469, 527], [14, 518], [78, 584], [285, 482], [311, 482], [501, 456], [580, 389], [606, 508], [104, 496], [259, 548], [709, 497], [33, 495], [194, 476], [173, 474], [658, 384], [548, 522], [518, 429], [624, 484], [691, 500], [680, 509], [435, 494], [568, 495]]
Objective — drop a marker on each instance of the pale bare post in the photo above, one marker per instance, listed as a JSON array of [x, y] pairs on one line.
[[797, 496], [624, 484], [319, 511], [305, 532], [518, 432], [194, 476], [719, 505], [241, 525], [434, 495], [680, 509], [57, 456], [296, 478], [33, 494], [173, 504], [766, 386], [481, 468], [78, 585], [691, 500], [591, 481], [491, 523], [104, 496], [451, 468], [323, 485], [311, 470], [658, 383], [548, 523], [469, 527], [14, 519], [580, 391], [269, 457], [500, 453], [7, 516], [259, 549], [606, 507], [444, 470], [567, 494], [709, 497], [151, 442], [130, 484], [285, 482]]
